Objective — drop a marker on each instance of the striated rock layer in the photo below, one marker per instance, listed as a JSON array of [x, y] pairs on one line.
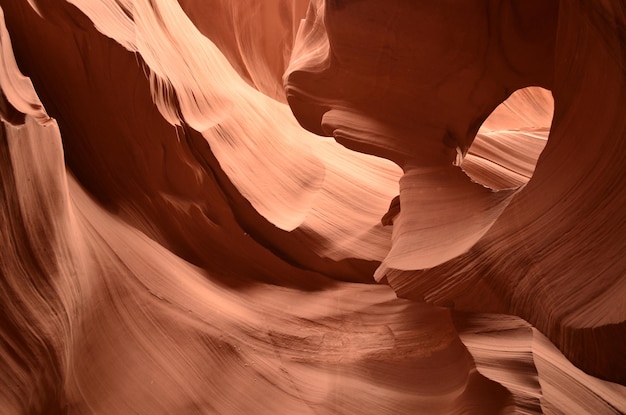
[[174, 241], [549, 251]]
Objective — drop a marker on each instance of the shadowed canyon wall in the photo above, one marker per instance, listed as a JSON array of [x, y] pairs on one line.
[[342, 207]]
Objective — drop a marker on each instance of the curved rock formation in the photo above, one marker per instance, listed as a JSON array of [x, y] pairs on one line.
[[456, 241], [173, 241]]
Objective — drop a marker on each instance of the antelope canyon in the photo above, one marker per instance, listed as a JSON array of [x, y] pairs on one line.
[[312, 207]]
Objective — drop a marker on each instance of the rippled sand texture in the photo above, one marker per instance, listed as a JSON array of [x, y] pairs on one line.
[[324, 207]]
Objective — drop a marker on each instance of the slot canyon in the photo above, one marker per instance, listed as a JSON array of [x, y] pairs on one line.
[[312, 207]]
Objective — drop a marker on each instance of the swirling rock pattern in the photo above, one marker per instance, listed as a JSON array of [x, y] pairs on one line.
[[550, 254], [174, 240]]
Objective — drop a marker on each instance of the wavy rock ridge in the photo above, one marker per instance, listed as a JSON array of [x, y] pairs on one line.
[[173, 241]]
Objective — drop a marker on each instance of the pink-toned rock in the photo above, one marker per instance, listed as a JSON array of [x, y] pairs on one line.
[[173, 241]]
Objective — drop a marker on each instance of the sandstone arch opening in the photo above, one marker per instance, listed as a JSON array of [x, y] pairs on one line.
[[506, 149]]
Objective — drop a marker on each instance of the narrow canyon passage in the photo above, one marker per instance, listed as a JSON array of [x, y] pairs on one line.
[[324, 207]]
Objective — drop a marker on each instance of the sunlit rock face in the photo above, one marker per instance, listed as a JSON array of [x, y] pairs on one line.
[[294, 207]]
